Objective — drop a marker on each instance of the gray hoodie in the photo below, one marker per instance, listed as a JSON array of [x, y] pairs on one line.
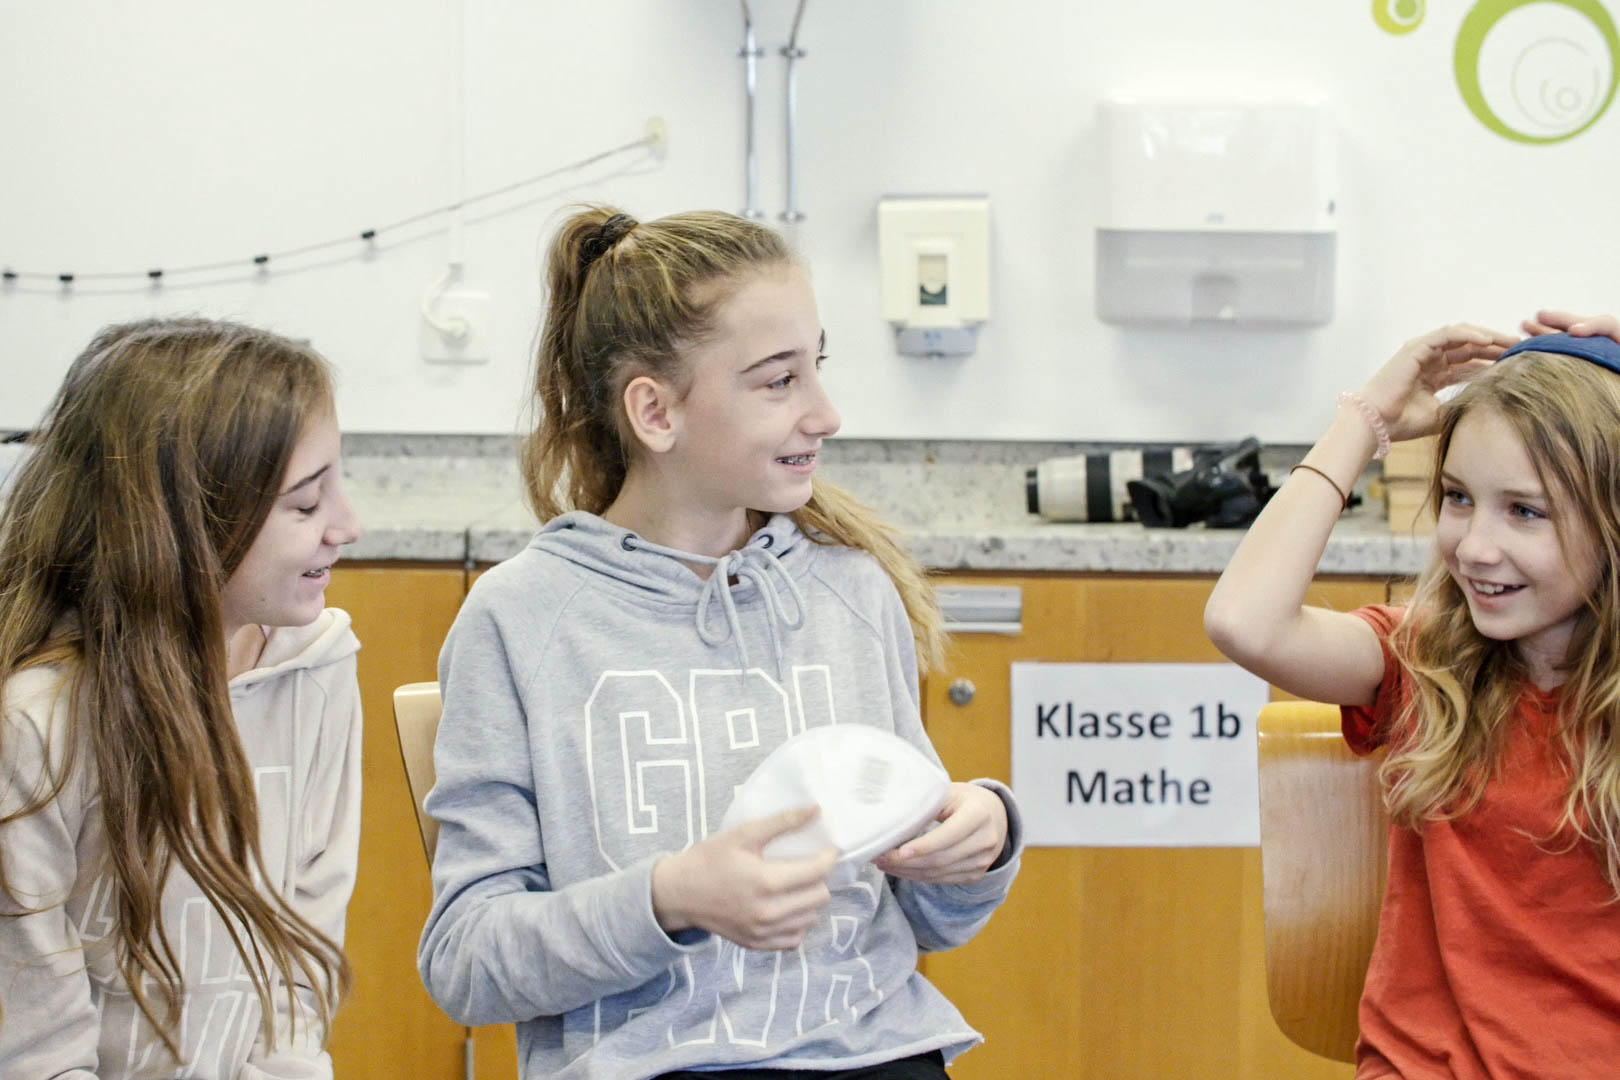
[[601, 704], [67, 1011]]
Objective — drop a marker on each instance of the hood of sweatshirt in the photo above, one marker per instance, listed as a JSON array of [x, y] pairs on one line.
[[293, 648], [763, 572]]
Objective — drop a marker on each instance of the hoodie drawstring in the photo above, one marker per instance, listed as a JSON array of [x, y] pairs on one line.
[[754, 564]]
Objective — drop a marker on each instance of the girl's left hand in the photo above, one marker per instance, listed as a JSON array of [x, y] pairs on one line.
[[972, 831], [1551, 322], [1403, 390]]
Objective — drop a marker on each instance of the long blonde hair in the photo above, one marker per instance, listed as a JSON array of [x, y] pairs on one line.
[[1465, 685], [625, 299], [155, 468]]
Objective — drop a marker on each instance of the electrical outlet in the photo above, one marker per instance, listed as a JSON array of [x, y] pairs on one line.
[[467, 310]]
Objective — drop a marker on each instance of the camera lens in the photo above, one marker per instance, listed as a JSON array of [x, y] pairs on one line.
[[1093, 487]]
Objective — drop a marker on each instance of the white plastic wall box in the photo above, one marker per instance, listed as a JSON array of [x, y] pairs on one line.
[[1215, 213], [934, 259]]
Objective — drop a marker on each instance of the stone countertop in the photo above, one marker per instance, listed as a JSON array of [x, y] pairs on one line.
[[1359, 545], [472, 526], [958, 506]]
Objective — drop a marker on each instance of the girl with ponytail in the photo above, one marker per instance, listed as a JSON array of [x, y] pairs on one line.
[[179, 719], [695, 596]]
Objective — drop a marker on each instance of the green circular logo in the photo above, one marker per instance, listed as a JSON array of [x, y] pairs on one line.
[[1398, 16], [1537, 71]]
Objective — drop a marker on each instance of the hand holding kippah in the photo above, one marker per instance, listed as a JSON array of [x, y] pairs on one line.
[[727, 885]]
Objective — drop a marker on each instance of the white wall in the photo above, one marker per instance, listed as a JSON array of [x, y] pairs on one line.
[[191, 131]]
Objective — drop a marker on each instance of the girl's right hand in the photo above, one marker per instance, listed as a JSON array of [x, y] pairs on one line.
[[727, 886], [1553, 322], [1403, 389]]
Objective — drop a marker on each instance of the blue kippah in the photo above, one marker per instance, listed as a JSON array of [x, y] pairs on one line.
[[1602, 351]]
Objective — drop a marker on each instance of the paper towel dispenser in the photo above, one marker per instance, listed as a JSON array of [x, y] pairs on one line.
[[1215, 213]]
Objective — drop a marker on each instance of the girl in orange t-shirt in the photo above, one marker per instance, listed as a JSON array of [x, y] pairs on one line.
[[1497, 693]]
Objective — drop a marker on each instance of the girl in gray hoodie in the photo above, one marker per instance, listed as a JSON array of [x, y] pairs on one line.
[[694, 598]]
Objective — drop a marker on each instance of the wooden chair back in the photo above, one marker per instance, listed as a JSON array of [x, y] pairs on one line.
[[1323, 850], [416, 720]]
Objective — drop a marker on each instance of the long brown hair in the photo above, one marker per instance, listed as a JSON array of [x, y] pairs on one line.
[[625, 299], [1567, 412], [155, 468]]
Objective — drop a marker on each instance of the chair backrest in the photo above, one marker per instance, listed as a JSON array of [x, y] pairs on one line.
[[1323, 842], [416, 719]]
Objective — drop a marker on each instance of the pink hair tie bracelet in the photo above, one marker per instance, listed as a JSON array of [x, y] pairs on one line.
[[1374, 420]]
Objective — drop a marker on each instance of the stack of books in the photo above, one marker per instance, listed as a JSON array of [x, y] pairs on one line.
[[1407, 470]]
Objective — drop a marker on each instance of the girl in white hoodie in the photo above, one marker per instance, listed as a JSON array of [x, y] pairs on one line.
[[179, 718]]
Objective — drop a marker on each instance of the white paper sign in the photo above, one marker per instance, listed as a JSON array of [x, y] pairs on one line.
[[1136, 755]]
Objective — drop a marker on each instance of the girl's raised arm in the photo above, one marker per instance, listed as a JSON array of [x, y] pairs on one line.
[[1257, 614]]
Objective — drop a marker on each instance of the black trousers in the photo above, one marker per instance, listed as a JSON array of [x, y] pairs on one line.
[[929, 1066]]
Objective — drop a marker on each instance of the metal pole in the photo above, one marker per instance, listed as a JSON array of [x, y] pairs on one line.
[[793, 53], [751, 53]]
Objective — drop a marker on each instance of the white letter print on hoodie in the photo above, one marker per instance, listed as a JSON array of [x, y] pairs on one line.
[[601, 705]]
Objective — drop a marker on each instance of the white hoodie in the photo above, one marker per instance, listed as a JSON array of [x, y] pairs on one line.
[[67, 1011]]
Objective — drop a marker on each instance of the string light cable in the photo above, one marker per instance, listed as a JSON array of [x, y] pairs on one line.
[[655, 139]]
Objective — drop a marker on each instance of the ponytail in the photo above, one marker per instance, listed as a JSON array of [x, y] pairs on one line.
[[572, 444]]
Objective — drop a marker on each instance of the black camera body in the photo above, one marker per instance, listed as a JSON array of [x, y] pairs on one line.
[[1225, 489]]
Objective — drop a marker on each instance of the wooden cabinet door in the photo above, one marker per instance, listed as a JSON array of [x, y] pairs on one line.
[[389, 1027], [1110, 963]]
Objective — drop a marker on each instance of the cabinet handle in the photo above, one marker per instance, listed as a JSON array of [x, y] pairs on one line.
[[961, 691], [981, 609]]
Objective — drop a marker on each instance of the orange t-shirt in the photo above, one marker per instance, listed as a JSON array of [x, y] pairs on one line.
[[1498, 953]]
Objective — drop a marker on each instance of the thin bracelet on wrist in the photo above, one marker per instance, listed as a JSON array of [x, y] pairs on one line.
[[1374, 419], [1344, 496]]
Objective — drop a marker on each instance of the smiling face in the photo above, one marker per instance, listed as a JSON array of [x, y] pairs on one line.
[[1499, 535], [282, 579], [748, 430]]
